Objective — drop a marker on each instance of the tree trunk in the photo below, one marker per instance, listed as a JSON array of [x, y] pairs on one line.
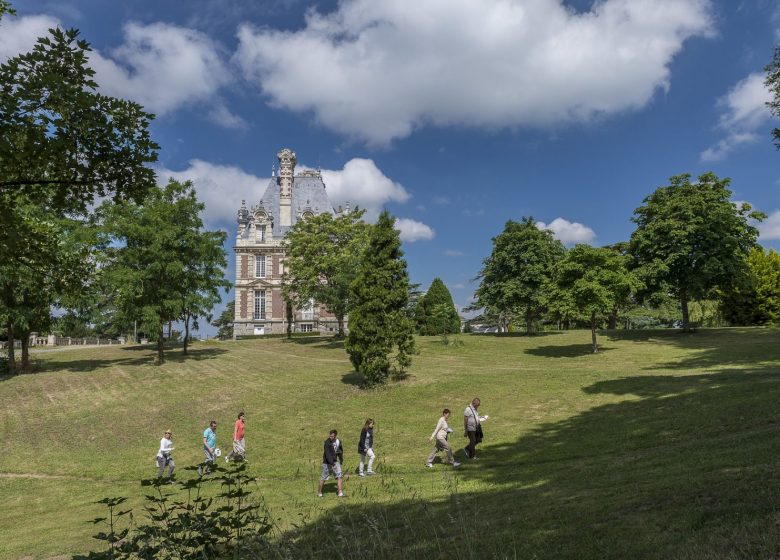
[[160, 350], [11, 350], [186, 330], [593, 332], [684, 307], [340, 321], [529, 323], [612, 322], [289, 312], [566, 324], [25, 338]]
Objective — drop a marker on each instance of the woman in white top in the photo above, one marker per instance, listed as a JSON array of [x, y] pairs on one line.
[[440, 433], [164, 455]]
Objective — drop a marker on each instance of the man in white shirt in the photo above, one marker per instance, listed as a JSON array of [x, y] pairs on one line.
[[472, 428]]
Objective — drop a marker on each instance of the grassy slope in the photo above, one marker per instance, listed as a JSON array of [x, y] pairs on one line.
[[663, 445]]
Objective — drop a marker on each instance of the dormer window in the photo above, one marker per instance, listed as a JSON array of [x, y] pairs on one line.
[[260, 233], [307, 215]]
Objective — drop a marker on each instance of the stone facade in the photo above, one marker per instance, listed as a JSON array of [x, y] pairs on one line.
[[260, 252]]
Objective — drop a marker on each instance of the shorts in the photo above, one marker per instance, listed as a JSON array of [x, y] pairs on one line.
[[335, 467], [209, 458]]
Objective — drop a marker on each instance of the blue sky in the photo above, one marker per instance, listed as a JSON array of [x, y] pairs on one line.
[[454, 115]]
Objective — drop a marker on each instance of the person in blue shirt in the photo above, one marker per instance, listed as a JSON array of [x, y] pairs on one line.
[[209, 446]]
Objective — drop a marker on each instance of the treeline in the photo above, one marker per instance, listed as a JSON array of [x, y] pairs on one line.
[[84, 229], [693, 250]]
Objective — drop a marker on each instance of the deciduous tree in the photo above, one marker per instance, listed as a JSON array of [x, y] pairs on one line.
[[323, 259], [757, 301], [513, 277], [593, 280], [154, 249], [380, 341], [690, 238], [61, 145]]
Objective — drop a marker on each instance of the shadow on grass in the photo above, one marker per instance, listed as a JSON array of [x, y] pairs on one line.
[[684, 467], [174, 355], [353, 378], [518, 334], [570, 351], [329, 342], [712, 347]]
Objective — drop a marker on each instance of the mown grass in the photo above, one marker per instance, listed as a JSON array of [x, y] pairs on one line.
[[662, 446]]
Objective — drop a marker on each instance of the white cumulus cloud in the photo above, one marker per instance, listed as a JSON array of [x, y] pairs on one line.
[[378, 70], [412, 230], [220, 187], [19, 34], [453, 253], [360, 181], [161, 66], [568, 232], [743, 111], [769, 229]]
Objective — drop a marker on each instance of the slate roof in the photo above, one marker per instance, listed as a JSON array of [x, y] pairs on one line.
[[308, 194]]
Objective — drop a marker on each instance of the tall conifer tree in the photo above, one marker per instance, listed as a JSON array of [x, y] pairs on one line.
[[436, 313], [380, 341]]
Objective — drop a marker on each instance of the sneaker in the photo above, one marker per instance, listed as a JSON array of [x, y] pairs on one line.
[[227, 459], [429, 465], [340, 495], [319, 495], [370, 472], [455, 464], [363, 474]]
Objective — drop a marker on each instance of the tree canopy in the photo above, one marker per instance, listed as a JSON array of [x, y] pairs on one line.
[[513, 277], [323, 259], [594, 280], [435, 312], [62, 144], [757, 301], [772, 83], [160, 262], [690, 238], [380, 341]]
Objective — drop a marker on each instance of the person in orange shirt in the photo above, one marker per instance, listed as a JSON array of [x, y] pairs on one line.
[[239, 447]]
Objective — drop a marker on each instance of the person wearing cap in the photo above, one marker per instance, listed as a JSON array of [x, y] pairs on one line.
[[165, 455]]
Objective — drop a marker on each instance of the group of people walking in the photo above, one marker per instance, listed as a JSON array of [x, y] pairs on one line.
[[210, 449], [472, 429], [333, 452]]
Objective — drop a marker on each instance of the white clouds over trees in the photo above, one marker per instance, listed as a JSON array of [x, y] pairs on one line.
[[569, 233], [743, 111], [360, 182], [162, 66], [382, 69]]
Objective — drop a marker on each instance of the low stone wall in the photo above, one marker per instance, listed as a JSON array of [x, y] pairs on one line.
[[53, 340]]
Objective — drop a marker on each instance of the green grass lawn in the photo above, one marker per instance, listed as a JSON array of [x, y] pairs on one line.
[[664, 445]]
